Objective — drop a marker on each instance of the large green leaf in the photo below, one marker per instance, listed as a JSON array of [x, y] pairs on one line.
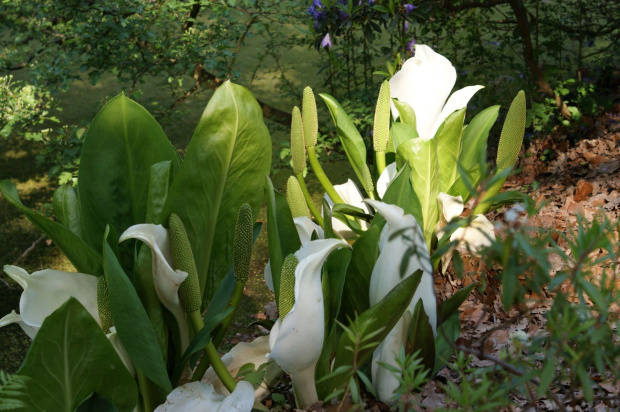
[[422, 157], [406, 115], [82, 256], [475, 136], [121, 145], [132, 322], [401, 193], [399, 134], [379, 321], [365, 252], [449, 147], [224, 167], [334, 277], [160, 180], [70, 359], [351, 140], [161, 177], [282, 235], [421, 336], [67, 209], [450, 306], [447, 333]]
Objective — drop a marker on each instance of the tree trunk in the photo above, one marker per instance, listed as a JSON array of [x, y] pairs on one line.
[[528, 54]]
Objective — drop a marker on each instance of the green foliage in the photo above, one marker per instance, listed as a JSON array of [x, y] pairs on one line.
[[231, 130], [375, 323], [412, 376], [81, 255], [71, 369], [10, 388], [578, 343], [121, 145], [131, 320], [23, 106]]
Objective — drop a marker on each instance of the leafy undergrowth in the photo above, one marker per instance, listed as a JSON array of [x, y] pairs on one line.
[[576, 181]]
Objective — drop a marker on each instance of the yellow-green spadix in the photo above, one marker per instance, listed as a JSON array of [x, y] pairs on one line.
[[183, 259], [242, 245]]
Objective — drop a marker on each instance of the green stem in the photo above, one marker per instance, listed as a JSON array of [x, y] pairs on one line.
[[234, 303], [212, 356], [201, 369], [315, 212], [323, 179], [380, 157], [146, 392]]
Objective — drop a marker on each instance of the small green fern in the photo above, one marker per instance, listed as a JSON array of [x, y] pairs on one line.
[[12, 387]]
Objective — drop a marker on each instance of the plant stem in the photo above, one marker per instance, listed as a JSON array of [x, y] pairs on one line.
[[315, 212], [380, 157], [212, 356], [323, 179], [234, 303], [145, 391]]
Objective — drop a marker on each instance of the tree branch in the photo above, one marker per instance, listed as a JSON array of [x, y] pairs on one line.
[[474, 4]]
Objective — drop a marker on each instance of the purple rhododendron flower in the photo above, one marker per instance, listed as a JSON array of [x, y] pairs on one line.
[[326, 42], [410, 47], [409, 8]]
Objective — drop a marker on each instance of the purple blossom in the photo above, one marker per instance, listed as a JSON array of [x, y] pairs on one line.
[[409, 8], [371, 2], [326, 42], [406, 25], [410, 47]]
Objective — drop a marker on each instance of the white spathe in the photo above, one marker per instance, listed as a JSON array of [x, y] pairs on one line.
[[115, 340], [47, 290], [305, 230], [425, 82], [200, 396], [400, 234], [350, 193], [297, 340], [388, 174], [241, 354], [165, 279], [471, 239]]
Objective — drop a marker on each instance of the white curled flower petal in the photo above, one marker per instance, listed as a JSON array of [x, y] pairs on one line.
[[199, 396], [165, 279], [350, 193], [296, 343], [386, 275], [386, 178], [47, 290], [424, 82], [457, 101], [14, 317], [243, 353], [305, 229], [268, 276], [120, 350], [475, 237], [451, 207]]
